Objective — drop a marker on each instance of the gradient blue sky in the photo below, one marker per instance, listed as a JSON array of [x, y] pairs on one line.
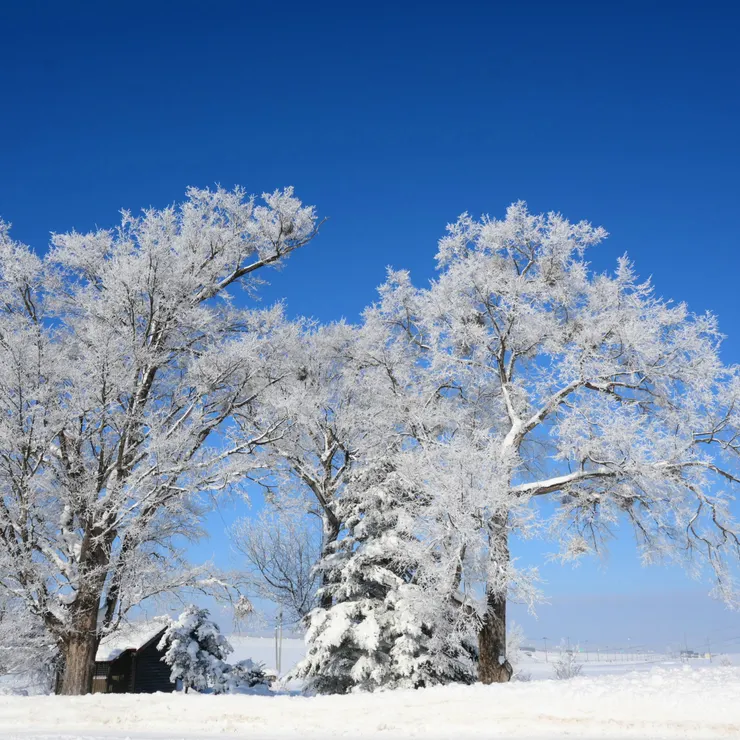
[[393, 118]]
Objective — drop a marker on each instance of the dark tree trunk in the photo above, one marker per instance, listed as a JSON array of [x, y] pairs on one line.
[[78, 650], [493, 666]]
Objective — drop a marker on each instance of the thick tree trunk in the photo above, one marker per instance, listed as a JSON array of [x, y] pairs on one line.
[[81, 641], [79, 650], [493, 666]]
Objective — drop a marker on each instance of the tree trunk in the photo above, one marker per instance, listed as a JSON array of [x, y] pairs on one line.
[[493, 666], [81, 641], [330, 533], [79, 650]]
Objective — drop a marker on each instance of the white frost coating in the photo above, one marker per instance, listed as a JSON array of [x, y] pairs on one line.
[[128, 388], [122, 363], [518, 373]]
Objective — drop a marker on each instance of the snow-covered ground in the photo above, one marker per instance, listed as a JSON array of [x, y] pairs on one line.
[[538, 667], [651, 697], [660, 702]]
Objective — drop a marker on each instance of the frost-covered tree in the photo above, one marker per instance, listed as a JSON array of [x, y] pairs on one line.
[[28, 652], [384, 627], [334, 416], [196, 651], [514, 640], [127, 377], [559, 382], [281, 547], [567, 666], [397, 564], [349, 401]]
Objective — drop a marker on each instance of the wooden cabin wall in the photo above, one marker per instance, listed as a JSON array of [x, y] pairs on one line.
[[150, 674]]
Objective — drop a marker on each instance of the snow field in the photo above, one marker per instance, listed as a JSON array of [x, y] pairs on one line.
[[660, 703], [262, 650]]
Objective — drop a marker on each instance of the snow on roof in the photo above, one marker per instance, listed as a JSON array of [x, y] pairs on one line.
[[128, 637]]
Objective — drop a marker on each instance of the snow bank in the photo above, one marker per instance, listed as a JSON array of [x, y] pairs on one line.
[[700, 703]]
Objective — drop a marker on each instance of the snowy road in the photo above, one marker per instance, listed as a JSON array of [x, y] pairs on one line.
[[247, 736], [661, 703]]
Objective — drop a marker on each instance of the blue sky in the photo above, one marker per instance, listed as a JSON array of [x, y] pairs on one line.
[[393, 118]]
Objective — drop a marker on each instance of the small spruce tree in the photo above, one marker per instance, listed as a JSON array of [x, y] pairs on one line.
[[247, 674], [195, 650]]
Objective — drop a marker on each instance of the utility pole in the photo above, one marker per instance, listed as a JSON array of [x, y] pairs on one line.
[[545, 639], [709, 650], [279, 641]]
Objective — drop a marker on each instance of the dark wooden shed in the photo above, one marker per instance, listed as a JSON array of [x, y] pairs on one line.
[[128, 662]]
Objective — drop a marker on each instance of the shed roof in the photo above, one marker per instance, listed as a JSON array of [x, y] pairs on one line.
[[131, 636]]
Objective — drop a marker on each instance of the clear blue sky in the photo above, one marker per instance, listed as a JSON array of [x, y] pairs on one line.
[[393, 118]]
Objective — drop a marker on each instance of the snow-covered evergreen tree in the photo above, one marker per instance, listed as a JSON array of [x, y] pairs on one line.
[[383, 628], [246, 674], [195, 650]]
